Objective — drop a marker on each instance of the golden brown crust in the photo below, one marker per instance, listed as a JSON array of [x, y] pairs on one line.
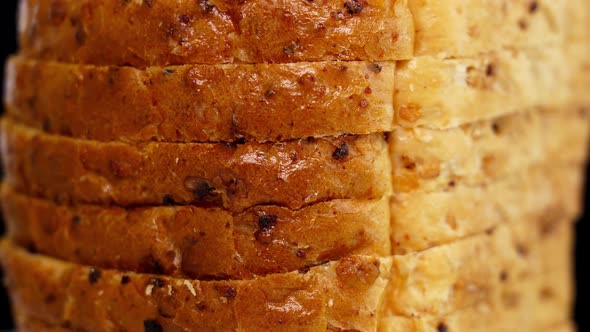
[[161, 32], [464, 90], [177, 240], [202, 103], [428, 284], [291, 174], [509, 307], [421, 220], [480, 152], [199, 243], [444, 93], [448, 28], [343, 294]]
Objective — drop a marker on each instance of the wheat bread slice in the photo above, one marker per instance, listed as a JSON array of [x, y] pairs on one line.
[[167, 32], [185, 241], [444, 93], [233, 176], [284, 101], [452, 29], [161, 32], [433, 160], [202, 103], [352, 293], [509, 307], [421, 220], [343, 294], [176, 240]]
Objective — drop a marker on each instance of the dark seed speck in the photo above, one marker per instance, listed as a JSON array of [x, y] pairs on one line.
[[270, 93], [353, 6], [125, 280], [442, 327], [76, 220], [267, 221], [375, 68], [152, 326], [341, 151], [533, 7], [94, 275], [157, 282], [490, 70], [167, 200]]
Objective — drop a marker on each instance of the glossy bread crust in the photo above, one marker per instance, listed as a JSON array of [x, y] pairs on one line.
[[432, 160], [202, 103], [162, 32], [352, 293], [293, 174], [199, 243], [506, 308], [268, 239], [340, 295]]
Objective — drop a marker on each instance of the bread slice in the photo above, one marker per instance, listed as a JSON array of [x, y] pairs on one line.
[[233, 176], [444, 93], [508, 307], [451, 29], [269, 239], [421, 220], [200, 243], [475, 153], [285, 101], [143, 33], [342, 294], [476, 319], [352, 293], [202, 103], [178, 32]]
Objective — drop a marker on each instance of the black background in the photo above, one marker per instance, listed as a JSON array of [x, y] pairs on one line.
[[8, 46]]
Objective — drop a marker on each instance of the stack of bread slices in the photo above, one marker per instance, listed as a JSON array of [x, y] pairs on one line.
[[294, 165]]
